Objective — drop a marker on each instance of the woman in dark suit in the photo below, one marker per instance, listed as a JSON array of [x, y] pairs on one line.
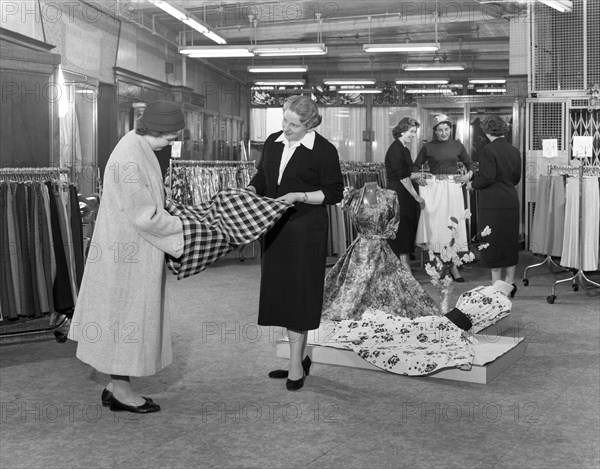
[[300, 167], [398, 168], [498, 207]]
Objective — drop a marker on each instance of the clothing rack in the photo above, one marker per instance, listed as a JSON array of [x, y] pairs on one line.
[[553, 169], [183, 180], [357, 173], [579, 277], [37, 174]]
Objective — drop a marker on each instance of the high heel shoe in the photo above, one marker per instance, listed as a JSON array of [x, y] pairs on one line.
[[513, 291], [280, 374], [295, 384], [106, 395]]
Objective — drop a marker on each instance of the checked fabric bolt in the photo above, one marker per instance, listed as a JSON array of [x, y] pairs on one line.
[[233, 217]]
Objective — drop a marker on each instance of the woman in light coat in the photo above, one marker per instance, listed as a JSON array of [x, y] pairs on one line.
[[120, 322]]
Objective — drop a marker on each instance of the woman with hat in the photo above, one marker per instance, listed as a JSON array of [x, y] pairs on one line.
[[120, 322], [442, 190], [498, 207]]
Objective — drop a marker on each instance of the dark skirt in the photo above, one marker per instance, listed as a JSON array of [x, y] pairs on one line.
[[404, 243], [503, 249], [293, 269]]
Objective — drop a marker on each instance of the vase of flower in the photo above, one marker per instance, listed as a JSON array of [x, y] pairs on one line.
[[444, 299]]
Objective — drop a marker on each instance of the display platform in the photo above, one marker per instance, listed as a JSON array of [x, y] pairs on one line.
[[493, 355]]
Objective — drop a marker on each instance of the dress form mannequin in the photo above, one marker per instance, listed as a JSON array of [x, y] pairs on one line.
[[370, 193]]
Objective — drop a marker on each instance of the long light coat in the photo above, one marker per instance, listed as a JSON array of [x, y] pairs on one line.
[[120, 322]]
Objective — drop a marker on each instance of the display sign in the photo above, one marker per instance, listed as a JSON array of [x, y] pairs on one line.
[[550, 148], [583, 146]]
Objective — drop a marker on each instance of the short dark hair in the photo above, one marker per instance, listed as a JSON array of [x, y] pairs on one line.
[[404, 126], [494, 125], [141, 129]]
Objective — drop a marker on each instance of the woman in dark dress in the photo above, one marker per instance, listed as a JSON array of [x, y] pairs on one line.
[[398, 168], [498, 208], [300, 167]]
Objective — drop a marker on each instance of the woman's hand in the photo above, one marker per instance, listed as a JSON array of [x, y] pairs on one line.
[[421, 201], [292, 197], [420, 178], [251, 189]]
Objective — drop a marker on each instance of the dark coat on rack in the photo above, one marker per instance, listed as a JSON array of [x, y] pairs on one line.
[[294, 250], [498, 206]]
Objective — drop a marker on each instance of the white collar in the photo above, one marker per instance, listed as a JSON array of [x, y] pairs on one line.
[[308, 140]]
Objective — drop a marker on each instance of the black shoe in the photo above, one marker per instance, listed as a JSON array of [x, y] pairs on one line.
[[294, 385], [146, 408], [280, 374], [106, 395], [513, 291], [457, 279]]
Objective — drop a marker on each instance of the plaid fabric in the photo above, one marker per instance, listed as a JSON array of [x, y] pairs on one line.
[[233, 217]]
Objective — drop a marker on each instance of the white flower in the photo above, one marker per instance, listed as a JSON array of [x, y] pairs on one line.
[[467, 214], [431, 255], [483, 246], [486, 231]]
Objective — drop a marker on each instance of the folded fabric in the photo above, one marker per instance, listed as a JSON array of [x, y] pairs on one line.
[[233, 217]]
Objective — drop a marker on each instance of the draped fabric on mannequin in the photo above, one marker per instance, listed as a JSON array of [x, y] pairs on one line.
[[42, 245]]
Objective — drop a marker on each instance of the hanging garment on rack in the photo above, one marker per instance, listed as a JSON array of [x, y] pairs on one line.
[[233, 217], [549, 216], [584, 236]]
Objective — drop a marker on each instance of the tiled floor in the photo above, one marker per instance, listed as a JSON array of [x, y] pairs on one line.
[[220, 409]]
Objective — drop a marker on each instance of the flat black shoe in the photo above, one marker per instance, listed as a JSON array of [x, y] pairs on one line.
[[513, 291], [294, 385], [146, 408], [280, 374], [106, 395], [457, 279]]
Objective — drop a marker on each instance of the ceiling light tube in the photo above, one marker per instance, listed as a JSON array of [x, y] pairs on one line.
[[402, 47], [361, 91], [487, 81], [215, 51], [402, 81], [428, 91], [490, 90], [279, 82], [564, 6], [277, 68], [280, 50], [184, 17], [433, 66], [349, 81]]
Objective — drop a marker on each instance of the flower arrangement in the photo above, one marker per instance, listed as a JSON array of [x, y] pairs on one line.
[[440, 263]]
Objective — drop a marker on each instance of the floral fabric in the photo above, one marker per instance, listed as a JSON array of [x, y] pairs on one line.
[[369, 274], [404, 346], [484, 306]]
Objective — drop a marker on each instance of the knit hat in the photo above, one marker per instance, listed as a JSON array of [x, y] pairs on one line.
[[440, 119], [163, 116], [503, 287]]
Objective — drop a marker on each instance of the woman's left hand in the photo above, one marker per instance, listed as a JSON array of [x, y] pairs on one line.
[[291, 197]]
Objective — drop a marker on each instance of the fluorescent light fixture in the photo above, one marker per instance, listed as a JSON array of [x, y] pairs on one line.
[[402, 81], [487, 81], [403, 47], [349, 81], [564, 6], [360, 91], [279, 82], [428, 91], [490, 90], [184, 17], [432, 66], [216, 51], [277, 68], [280, 50]]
